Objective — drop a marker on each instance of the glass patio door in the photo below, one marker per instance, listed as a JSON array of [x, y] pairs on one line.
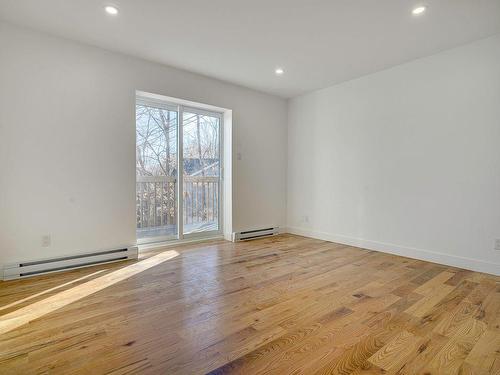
[[201, 171], [172, 202], [156, 171]]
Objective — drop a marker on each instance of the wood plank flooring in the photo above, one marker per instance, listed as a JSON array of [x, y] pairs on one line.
[[281, 305]]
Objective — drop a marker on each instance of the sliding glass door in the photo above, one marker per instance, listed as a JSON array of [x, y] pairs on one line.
[[201, 171], [175, 202], [156, 170]]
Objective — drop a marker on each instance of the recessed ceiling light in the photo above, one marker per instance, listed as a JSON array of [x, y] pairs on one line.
[[418, 10], [279, 71], [111, 10]]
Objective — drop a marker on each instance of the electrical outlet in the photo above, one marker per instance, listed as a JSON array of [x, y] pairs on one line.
[[497, 244], [305, 219], [46, 240]]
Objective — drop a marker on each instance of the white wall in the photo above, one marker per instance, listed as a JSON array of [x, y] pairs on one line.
[[67, 144], [406, 160]]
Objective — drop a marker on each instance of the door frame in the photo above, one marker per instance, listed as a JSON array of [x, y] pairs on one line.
[[180, 109]]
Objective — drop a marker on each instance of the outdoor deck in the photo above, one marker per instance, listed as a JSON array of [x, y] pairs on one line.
[[156, 205], [171, 230]]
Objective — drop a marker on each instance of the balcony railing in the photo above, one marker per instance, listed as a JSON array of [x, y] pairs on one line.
[[156, 198], [156, 202]]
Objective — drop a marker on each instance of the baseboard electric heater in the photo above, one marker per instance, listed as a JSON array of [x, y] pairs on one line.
[[254, 234], [40, 267]]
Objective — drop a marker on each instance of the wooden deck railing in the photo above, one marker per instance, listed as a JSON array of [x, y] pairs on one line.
[[201, 199], [156, 198]]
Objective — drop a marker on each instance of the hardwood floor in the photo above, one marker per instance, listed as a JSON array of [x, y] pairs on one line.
[[280, 305]]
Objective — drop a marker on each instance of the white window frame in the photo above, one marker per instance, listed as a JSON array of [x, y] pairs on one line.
[[180, 109]]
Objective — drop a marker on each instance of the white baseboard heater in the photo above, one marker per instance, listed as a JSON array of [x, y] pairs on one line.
[[40, 267], [254, 234]]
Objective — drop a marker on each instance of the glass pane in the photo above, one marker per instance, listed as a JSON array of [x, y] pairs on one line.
[[201, 172], [156, 172]]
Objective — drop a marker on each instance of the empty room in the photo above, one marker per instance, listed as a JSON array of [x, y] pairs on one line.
[[250, 187]]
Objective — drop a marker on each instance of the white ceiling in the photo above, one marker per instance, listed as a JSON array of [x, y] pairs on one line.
[[318, 42]]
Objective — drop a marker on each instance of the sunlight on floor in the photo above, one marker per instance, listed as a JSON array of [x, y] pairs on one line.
[[38, 309], [49, 290]]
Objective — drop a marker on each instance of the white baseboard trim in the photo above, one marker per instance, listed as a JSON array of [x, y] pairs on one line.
[[409, 252]]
